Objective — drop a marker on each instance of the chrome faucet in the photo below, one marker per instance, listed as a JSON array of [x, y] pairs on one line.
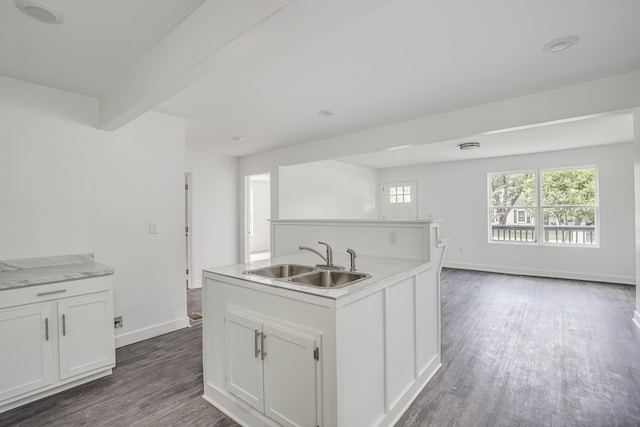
[[327, 259], [352, 253]]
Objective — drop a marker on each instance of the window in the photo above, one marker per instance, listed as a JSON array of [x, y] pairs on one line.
[[565, 200], [400, 194]]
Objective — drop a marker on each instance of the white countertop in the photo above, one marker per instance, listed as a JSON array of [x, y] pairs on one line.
[[40, 271], [380, 269]]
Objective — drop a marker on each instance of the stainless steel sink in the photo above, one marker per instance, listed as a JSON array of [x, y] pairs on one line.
[[329, 278], [281, 271]]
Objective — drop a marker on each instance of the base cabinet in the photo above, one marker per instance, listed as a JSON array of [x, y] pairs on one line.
[[272, 367], [87, 336], [26, 361], [51, 342]]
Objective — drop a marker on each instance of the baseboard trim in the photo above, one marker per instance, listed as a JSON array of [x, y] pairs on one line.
[[606, 278], [636, 318], [152, 331]]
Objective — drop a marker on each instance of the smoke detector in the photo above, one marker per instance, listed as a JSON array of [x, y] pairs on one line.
[[40, 11]]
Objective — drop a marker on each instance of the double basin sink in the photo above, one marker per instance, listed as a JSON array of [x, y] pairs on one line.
[[309, 276]]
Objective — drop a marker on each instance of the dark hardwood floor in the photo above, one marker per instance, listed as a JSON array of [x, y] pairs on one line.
[[517, 351], [526, 351]]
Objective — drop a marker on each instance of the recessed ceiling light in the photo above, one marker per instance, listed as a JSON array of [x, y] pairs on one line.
[[469, 145], [560, 44], [40, 11], [325, 113], [237, 138]]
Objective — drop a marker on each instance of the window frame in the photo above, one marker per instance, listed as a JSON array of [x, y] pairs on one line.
[[538, 208]]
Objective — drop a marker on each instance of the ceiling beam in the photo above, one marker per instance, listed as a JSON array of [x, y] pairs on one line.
[[206, 38]]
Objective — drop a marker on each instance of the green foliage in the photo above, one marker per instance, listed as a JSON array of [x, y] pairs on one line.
[[573, 187], [568, 189], [511, 190]]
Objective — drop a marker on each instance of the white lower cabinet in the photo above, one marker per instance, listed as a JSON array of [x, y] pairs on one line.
[[26, 362], [273, 367], [87, 337], [51, 342]]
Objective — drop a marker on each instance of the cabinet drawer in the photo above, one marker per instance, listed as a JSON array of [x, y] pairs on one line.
[[52, 291]]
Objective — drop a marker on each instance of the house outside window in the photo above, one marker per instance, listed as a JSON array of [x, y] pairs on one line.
[[565, 200]]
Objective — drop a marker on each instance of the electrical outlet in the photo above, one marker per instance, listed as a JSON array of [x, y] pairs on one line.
[[153, 228], [117, 322], [393, 237]]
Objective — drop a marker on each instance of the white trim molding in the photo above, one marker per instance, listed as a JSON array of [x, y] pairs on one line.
[[152, 331], [636, 318], [556, 274]]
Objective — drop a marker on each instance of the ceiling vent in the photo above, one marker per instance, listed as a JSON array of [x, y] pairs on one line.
[[40, 11], [469, 146]]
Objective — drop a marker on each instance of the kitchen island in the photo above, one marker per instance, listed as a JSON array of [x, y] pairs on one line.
[[280, 353]]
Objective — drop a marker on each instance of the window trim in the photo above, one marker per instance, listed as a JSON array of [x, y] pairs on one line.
[[539, 209]]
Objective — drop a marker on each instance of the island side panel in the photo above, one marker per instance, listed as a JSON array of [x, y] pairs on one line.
[[388, 349], [361, 362]]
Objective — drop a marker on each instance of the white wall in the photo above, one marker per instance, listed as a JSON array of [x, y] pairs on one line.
[[581, 99], [327, 190], [215, 222], [456, 192], [67, 188], [261, 238]]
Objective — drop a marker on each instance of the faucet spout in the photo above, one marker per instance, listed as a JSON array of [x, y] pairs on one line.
[[304, 248], [327, 259]]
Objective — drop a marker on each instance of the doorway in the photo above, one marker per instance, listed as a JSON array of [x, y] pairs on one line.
[[258, 213], [400, 200]]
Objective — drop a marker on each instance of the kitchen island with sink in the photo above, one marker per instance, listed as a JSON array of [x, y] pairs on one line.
[[286, 350]]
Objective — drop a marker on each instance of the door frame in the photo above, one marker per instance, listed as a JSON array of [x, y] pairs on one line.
[[411, 181], [190, 251], [246, 225]]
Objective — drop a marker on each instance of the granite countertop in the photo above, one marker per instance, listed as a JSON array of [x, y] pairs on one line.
[[380, 269], [20, 273]]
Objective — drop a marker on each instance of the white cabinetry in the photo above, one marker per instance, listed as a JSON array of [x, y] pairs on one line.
[[87, 340], [272, 367], [26, 358], [54, 337]]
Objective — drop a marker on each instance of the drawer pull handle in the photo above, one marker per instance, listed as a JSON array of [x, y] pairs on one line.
[[264, 352], [59, 291], [64, 326], [46, 329]]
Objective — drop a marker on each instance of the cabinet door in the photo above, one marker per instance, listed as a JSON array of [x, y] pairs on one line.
[[290, 376], [26, 336], [86, 334], [244, 358]]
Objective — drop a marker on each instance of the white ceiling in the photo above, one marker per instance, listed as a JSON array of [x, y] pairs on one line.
[[586, 132], [95, 45], [372, 62]]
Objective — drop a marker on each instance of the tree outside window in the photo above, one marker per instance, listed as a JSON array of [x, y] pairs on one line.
[[565, 199]]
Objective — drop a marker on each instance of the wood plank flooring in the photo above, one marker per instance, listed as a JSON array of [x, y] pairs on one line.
[[524, 351], [517, 351]]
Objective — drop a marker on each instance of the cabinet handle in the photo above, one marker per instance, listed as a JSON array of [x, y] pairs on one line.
[[46, 329], [59, 291], [64, 325], [264, 352], [257, 350]]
